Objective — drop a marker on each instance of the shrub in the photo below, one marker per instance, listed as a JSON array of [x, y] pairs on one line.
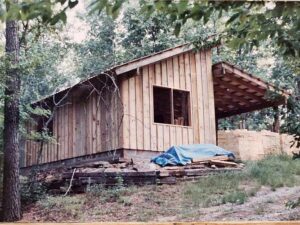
[[275, 171], [31, 191]]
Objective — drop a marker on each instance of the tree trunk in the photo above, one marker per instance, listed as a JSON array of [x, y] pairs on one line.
[[11, 192]]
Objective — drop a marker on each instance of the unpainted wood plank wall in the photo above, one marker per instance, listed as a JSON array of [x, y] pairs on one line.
[[87, 126], [188, 71], [81, 127]]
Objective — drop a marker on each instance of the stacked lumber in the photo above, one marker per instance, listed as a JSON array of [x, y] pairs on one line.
[[135, 173], [218, 161]]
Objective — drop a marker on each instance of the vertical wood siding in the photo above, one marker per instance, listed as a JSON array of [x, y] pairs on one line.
[[189, 71], [81, 127], [87, 125]]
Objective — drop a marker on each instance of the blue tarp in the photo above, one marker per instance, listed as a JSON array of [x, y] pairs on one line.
[[183, 154]]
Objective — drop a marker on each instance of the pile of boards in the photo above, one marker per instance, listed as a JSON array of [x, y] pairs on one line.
[[134, 173]]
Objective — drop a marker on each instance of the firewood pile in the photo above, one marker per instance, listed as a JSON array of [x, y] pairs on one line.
[[133, 173]]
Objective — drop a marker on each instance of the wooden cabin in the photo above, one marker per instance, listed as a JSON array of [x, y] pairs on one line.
[[142, 107]]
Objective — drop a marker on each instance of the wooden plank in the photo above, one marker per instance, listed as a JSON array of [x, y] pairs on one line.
[[113, 127], [239, 90], [132, 113], [74, 128], [64, 121], [68, 130], [223, 91], [60, 134], [80, 118], [205, 99], [185, 138], [98, 122], [164, 75], [152, 126], [229, 77], [146, 104], [191, 136], [160, 137], [200, 98], [33, 162], [166, 137], [139, 111], [187, 71], [182, 75], [107, 117], [125, 100], [65, 134], [206, 159], [158, 76], [223, 163], [231, 69], [170, 73], [94, 123], [176, 72], [88, 126], [194, 99], [152, 59], [55, 130], [54, 145], [178, 134], [172, 136]]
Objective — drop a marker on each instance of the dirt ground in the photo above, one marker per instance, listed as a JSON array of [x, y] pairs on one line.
[[265, 205], [162, 203]]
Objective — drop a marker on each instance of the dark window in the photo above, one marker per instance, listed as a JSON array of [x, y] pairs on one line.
[[171, 106], [181, 104], [162, 105]]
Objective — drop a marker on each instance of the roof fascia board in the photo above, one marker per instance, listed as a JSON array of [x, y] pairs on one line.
[[152, 59]]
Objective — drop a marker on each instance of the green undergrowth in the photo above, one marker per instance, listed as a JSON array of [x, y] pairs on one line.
[[235, 187], [144, 202]]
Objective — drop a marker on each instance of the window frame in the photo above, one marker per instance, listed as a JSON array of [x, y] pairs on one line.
[[172, 106]]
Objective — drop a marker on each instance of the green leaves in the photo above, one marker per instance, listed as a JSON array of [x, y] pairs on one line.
[[43, 10], [111, 7], [58, 17]]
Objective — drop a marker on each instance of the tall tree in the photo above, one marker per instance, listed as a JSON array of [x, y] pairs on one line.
[[15, 12], [11, 195]]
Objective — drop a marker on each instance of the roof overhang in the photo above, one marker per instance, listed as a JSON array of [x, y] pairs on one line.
[[237, 91]]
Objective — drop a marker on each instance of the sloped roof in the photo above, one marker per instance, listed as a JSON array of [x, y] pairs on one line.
[[237, 91], [128, 66]]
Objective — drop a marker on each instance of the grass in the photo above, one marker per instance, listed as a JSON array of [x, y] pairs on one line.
[[63, 206], [185, 199], [273, 171]]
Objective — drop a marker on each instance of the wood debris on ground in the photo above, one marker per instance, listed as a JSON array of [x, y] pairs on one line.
[[130, 172]]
